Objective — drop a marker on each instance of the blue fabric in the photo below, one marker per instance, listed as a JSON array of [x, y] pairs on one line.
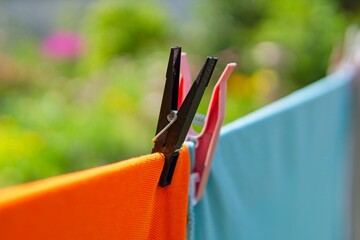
[[281, 172], [190, 232]]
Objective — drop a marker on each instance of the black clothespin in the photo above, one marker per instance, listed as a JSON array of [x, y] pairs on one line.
[[174, 125]]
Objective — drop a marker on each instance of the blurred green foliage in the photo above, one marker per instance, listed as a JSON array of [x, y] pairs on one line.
[[64, 125], [304, 31], [289, 24], [117, 28], [63, 116]]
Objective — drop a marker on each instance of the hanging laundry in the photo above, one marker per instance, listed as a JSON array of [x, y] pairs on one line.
[[282, 172], [117, 201]]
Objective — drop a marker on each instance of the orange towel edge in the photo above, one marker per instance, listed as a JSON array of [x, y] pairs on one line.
[[15, 192]]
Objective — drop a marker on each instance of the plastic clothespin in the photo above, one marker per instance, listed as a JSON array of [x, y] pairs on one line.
[[206, 141], [173, 124]]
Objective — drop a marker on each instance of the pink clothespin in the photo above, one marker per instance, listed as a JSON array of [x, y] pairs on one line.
[[206, 141]]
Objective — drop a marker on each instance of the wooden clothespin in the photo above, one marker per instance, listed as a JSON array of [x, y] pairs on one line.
[[173, 124]]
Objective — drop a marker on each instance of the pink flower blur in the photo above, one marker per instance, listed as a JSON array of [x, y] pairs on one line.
[[63, 45]]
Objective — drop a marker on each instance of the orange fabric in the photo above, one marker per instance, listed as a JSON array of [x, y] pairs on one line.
[[117, 201]]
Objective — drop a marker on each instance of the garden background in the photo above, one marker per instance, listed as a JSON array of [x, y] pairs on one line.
[[81, 81]]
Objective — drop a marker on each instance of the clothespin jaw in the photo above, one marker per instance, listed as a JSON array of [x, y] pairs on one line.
[[207, 140], [171, 133]]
